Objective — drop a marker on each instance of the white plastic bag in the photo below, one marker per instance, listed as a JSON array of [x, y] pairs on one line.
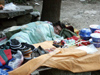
[[90, 49], [11, 6]]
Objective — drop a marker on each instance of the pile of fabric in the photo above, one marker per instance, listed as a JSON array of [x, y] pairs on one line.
[[14, 53]]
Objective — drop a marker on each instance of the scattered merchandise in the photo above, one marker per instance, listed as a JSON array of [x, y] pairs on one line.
[[97, 31], [82, 42], [94, 27], [57, 46], [5, 56], [85, 42], [65, 43], [66, 33], [97, 45], [39, 51], [95, 35], [2, 72], [76, 31], [50, 49], [25, 48], [90, 49], [85, 33], [6, 67], [96, 39], [18, 60], [19, 48]]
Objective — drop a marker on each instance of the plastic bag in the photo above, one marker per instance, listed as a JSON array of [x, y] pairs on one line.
[[90, 49], [11, 6]]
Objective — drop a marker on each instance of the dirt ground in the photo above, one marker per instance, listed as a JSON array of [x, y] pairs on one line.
[[77, 13]]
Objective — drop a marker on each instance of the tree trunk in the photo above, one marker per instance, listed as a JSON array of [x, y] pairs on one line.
[[51, 10]]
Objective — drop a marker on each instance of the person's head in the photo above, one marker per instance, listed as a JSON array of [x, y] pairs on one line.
[[58, 26]]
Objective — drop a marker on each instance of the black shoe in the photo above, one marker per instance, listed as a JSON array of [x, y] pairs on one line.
[[41, 50], [15, 43]]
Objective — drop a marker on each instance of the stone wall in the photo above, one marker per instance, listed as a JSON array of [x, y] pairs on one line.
[[16, 21], [15, 18]]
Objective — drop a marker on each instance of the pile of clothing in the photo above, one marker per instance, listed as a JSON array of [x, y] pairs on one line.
[[18, 54], [65, 43]]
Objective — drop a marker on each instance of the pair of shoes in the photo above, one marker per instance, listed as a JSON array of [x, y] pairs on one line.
[[27, 51], [28, 46], [35, 53], [57, 46], [18, 60], [39, 51], [28, 56]]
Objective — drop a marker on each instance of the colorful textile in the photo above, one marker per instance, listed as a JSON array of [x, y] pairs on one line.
[[5, 55], [2, 72]]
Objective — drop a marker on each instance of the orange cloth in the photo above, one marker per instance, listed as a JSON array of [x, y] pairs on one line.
[[62, 58]]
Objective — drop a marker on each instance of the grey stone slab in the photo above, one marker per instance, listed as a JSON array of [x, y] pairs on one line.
[[24, 19], [10, 14]]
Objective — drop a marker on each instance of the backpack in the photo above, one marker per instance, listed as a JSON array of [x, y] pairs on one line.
[[67, 33]]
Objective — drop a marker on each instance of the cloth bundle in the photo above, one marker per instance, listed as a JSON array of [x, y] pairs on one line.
[[5, 55]]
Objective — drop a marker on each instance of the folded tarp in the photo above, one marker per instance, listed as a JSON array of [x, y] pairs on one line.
[[70, 59]]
